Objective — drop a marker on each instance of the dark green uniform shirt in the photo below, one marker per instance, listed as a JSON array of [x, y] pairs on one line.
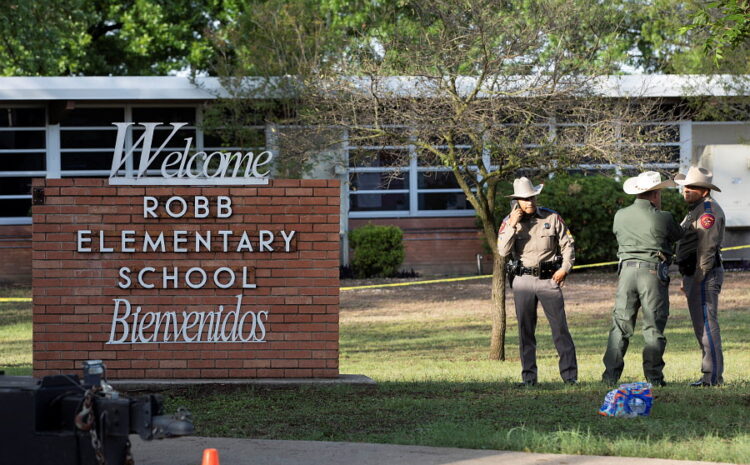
[[644, 232]]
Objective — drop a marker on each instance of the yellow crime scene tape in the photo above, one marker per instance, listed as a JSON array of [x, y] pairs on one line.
[[413, 283], [448, 280]]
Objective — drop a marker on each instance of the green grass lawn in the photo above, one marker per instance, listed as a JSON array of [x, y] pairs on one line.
[[435, 386], [15, 333]]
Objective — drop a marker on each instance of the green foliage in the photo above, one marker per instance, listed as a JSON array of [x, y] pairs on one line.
[[109, 37], [378, 250], [588, 205], [727, 23], [265, 37]]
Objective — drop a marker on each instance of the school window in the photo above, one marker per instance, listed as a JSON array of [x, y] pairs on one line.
[[87, 139], [22, 158], [393, 180], [389, 179], [83, 145]]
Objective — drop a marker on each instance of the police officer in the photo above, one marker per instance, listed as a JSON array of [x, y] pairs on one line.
[[699, 259], [543, 251], [645, 236]]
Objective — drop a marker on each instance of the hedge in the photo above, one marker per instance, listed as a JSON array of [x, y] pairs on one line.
[[378, 250]]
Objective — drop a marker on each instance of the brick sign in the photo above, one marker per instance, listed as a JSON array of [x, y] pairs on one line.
[[187, 281]]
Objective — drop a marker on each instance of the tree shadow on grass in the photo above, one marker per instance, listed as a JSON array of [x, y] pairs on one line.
[[549, 418]]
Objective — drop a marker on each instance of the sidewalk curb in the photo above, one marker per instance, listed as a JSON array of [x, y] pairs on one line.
[[164, 384]]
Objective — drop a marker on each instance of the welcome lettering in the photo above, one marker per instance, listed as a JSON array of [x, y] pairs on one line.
[[188, 167]]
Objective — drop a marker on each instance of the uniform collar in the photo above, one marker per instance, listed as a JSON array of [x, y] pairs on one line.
[[701, 201], [537, 214], [643, 203]]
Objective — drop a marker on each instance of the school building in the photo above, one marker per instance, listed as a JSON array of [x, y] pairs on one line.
[[60, 127]]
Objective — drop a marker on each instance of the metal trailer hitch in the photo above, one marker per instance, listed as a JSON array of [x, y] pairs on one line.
[[64, 420]]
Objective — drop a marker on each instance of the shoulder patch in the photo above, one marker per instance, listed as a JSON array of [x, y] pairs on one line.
[[707, 220], [502, 225]]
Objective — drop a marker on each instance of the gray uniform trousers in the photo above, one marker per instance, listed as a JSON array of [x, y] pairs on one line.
[[527, 292], [703, 304]]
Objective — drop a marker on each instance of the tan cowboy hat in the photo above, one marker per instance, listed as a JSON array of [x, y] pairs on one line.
[[645, 182], [523, 188], [698, 177]]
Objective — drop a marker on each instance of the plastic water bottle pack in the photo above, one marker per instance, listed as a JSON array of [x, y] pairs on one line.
[[629, 401]]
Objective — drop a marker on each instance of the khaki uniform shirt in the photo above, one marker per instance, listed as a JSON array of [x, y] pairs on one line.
[[644, 232], [538, 238], [704, 233]]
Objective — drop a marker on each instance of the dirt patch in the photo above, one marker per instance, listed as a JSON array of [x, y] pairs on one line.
[[584, 292]]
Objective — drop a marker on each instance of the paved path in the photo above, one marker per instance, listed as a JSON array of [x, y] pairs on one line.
[[189, 451]]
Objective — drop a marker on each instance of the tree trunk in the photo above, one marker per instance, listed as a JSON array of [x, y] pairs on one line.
[[497, 341]]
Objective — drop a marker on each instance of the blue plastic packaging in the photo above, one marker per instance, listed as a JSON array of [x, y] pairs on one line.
[[629, 401]]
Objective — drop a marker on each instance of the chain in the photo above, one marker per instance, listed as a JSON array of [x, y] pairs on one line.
[[97, 445], [128, 455], [85, 421], [85, 418]]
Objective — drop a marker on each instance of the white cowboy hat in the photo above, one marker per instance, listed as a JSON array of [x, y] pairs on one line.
[[523, 189], [698, 177], [645, 182]]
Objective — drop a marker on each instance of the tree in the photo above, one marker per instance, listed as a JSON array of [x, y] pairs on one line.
[[484, 89], [727, 24], [109, 37]]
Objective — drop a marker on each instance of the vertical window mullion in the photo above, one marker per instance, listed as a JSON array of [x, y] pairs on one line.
[[53, 151], [199, 140], [551, 137], [129, 140], [272, 139], [686, 144], [345, 203], [486, 158], [413, 184], [618, 142]]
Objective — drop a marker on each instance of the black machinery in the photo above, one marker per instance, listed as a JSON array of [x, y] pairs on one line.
[[63, 420]]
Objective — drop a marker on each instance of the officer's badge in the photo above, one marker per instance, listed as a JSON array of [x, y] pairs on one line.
[[707, 220], [546, 226]]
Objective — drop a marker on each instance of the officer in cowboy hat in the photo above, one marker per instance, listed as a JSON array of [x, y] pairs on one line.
[[645, 236], [543, 250], [699, 259]]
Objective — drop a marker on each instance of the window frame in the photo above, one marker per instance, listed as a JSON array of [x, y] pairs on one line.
[[24, 220], [54, 153], [682, 146], [412, 171]]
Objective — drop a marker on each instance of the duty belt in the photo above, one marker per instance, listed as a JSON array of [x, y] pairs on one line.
[[533, 271], [640, 264]]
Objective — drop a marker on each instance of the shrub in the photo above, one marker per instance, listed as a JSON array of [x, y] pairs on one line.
[[378, 250], [588, 205]]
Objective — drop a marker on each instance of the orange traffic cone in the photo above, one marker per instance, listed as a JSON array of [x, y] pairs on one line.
[[210, 457]]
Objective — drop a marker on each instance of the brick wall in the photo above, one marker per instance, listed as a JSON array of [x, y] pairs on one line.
[[15, 250], [75, 291], [437, 246]]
